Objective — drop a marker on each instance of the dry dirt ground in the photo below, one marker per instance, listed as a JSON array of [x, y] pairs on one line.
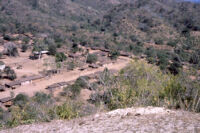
[[130, 120], [30, 67]]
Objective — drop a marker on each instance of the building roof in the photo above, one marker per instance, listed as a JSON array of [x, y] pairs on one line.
[[56, 85], [2, 88], [93, 66], [18, 82], [124, 54], [6, 99]]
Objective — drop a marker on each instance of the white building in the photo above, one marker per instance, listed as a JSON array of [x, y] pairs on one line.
[[2, 66]]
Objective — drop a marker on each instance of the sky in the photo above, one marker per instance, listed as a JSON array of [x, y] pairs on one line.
[[193, 0]]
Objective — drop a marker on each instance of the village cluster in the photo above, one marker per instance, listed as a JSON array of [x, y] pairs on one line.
[[24, 78]]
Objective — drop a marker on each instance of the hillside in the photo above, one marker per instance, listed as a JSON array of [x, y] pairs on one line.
[[122, 120], [169, 30], [72, 59]]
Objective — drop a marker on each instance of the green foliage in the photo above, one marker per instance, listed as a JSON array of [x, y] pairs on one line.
[[20, 100], [75, 48], [172, 43], [91, 58], [12, 50], [66, 111], [24, 47], [142, 84], [60, 57], [158, 41], [52, 49], [10, 73], [71, 65], [114, 54], [41, 98]]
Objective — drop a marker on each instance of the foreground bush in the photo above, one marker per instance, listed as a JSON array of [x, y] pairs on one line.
[[141, 84]]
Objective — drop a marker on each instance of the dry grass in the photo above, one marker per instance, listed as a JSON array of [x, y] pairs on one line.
[[148, 119]]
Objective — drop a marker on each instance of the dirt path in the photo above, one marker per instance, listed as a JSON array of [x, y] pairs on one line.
[[130, 120], [40, 86]]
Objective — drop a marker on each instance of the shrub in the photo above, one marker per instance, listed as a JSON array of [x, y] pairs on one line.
[[71, 65], [137, 84], [82, 82], [10, 74], [52, 49], [174, 68], [60, 57], [20, 100], [75, 89], [114, 54], [91, 58], [41, 98], [172, 43], [24, 47], [194, 58], [11, 49], [158, 41], [66, 111], [75, 48]]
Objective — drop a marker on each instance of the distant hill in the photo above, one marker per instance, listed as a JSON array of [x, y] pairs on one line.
[[139, 26]]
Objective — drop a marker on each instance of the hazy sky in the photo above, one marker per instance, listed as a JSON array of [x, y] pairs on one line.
[[193, 0]]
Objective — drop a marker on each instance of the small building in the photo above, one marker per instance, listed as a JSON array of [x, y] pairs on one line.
[[2, 65], [73, 55], [2, 88], [93, 66], [124, 54], [59, 85], [83, 68], [23, 81], [7, 101], [37, 55]]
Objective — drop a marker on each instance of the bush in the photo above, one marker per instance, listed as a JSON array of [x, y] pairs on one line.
[[172, 43], [194, 59], [24, 47], [71, 65], [82, 82], [11, 49], [52, 49], [20, 100], [114, 54], [10, 74], [158, 41], [66, 111], [75, 48], [60, 57], [91, 58], [41, 98]]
